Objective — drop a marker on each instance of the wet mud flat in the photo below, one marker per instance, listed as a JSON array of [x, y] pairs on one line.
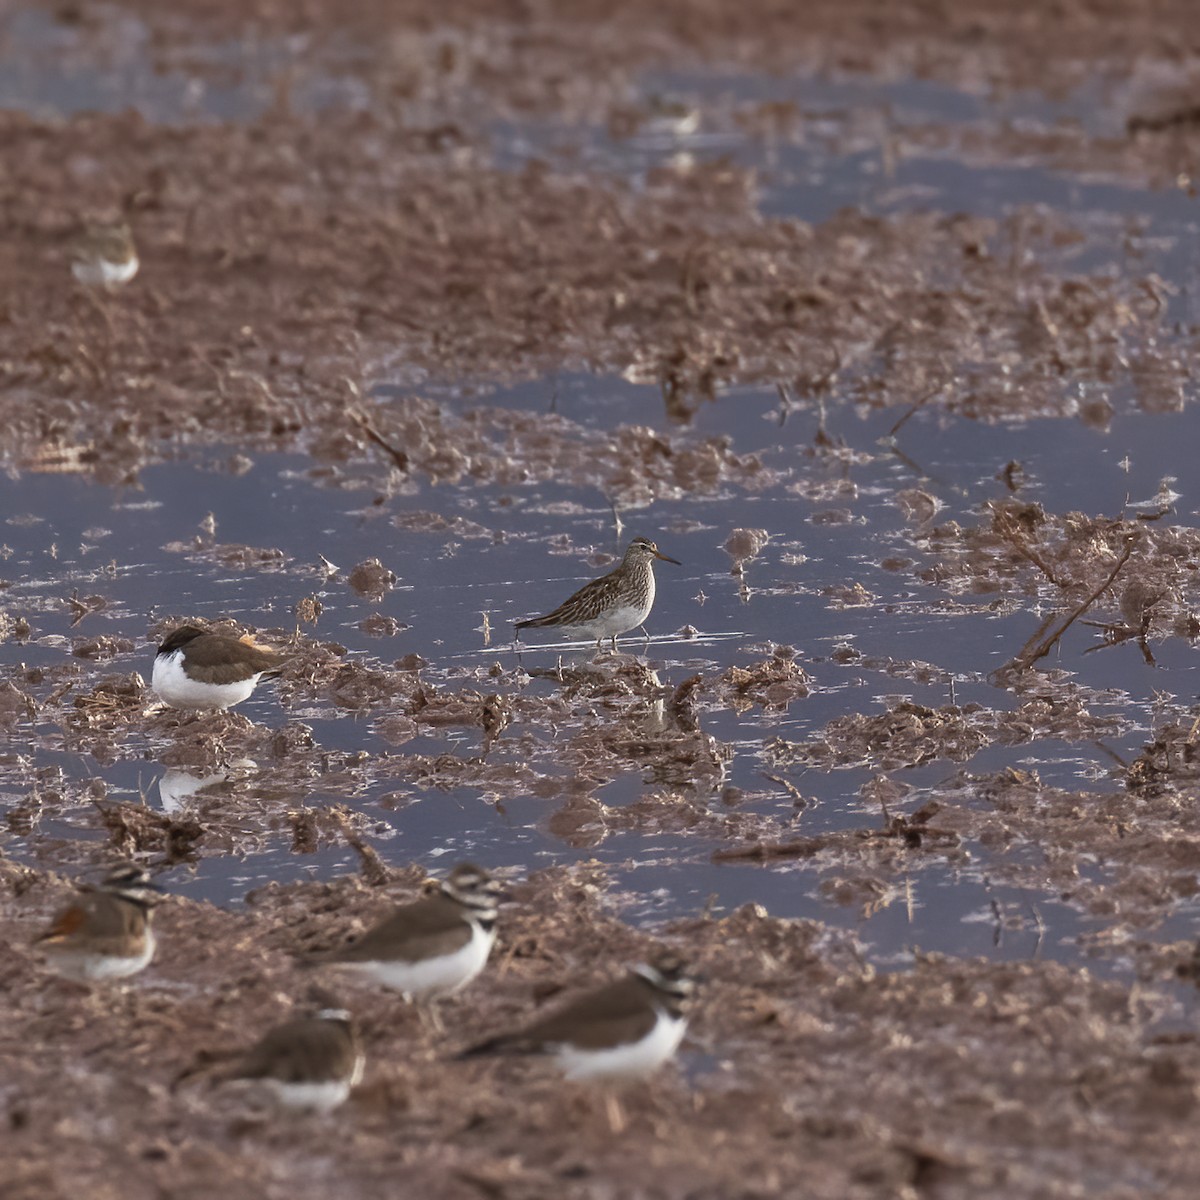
[[346, 255], [807, 1065]]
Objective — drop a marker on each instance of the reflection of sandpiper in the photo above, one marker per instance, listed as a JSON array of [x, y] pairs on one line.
[[611, 605], [176, 787], [104, 256], [195, 668]]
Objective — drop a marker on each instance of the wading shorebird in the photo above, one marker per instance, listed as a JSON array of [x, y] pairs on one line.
[[106, 933], [611, 605], [195, 668], [432, 947]]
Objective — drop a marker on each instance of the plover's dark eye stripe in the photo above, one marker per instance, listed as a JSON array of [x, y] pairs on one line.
[[473, 892], [128, 877]]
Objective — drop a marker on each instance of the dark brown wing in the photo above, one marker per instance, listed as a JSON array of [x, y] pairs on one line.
[[69, 921], [430, 926], [619, 1012], [300, 1051], [584, 605], [214, 658], [610, 1016]]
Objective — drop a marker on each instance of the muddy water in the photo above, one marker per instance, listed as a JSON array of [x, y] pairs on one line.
[[80, 535], [839, 579]]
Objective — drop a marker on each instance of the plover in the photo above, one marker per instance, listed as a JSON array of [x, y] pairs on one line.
[[307, 1064], [431, 947], [106, 933], [625, 1029], [104, 256], [197, 668]]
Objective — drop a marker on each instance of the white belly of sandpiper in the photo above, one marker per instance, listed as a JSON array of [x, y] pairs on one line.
[[625, 1062], [441, 976], [177, 689]]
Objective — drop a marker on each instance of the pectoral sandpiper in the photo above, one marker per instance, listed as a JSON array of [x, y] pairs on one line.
[[611, 605]]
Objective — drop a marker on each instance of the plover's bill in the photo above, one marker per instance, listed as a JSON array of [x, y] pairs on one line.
[[104, 256], [195, 668], [611, 605], [431, 947], [624, 1030], [106, 933]]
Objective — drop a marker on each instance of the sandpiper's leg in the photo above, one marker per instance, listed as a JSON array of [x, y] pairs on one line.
[[616, 1114], [430, 1018], [645, 634]]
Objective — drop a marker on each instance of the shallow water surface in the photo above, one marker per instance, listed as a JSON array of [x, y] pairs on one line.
[[81, 536], [470, 555]]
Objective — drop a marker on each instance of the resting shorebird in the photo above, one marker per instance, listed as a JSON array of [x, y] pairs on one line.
[[104, 256], [195, 668], [106, 933], [309, 1064], [625, 1029], [611, 605], [432, 947]]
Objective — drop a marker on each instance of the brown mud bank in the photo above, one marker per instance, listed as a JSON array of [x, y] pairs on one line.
[[294, 260], [806, 1070]]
